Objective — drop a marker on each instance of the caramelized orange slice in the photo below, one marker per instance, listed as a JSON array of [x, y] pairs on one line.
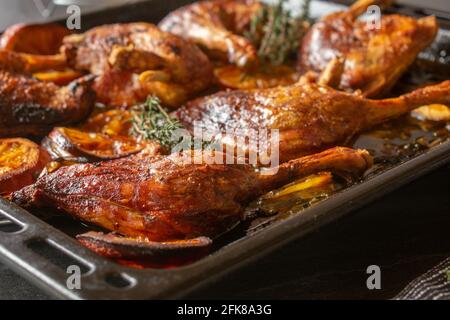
[[313, 182], [40, 39], [231, 76], [139, 252], [432, 112], [113, 122], [72, 143], [61, 78], [21, 161], [30, 63]]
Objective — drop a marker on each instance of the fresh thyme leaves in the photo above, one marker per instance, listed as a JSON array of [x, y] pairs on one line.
[[276, 32], [150, 121]]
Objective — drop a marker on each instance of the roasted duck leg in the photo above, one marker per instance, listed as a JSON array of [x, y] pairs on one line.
[[217, 26], [180, 196], [309, 117], [375, 58], [31, 107], [170, 67]]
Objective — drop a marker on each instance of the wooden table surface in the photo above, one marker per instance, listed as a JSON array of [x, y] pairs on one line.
[[404, 233]]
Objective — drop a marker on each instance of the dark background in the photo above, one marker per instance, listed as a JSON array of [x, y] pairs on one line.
[[404, 233]]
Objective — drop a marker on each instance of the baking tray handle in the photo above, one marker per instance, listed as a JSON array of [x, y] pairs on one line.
[[35, 250]]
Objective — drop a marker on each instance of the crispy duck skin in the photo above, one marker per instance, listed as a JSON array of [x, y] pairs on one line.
[[217, 26], [309, 117], [374, 58], [31, 107], [167, 198], [175, 68]]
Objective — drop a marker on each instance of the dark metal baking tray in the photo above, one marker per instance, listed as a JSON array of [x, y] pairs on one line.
[[41, 252]]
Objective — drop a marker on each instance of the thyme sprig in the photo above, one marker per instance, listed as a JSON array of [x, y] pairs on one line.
[[150, 121], [276, 32]]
